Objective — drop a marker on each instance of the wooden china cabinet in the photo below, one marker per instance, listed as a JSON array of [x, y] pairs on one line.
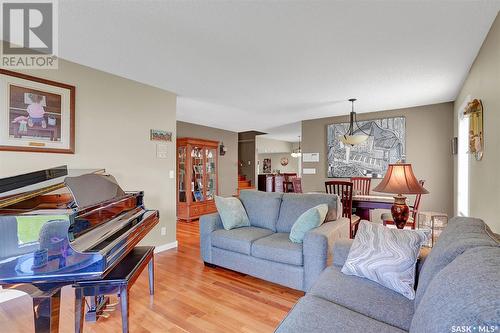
[[196, 177]]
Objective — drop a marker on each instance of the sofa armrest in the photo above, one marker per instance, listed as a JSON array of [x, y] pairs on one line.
[[316, 245], [341, 250], [208, 224]]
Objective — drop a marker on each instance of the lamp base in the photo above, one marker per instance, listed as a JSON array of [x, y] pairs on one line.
[[400, 211]]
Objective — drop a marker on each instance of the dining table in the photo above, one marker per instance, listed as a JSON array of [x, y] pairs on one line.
[[362, 204]]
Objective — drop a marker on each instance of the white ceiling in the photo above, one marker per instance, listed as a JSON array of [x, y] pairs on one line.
[[259, 65]]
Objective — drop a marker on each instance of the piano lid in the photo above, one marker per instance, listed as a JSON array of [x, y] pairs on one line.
[[26, 186]]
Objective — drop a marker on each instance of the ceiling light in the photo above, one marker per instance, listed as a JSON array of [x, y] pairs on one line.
[[350, 138], [297, 152]]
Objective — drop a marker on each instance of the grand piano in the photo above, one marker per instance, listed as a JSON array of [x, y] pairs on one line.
[[60, 226]]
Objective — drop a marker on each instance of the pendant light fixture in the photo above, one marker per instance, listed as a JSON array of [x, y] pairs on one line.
[[297, 152], [350, 138]]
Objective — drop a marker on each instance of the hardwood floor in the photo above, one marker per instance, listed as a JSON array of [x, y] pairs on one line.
[[189, 297]]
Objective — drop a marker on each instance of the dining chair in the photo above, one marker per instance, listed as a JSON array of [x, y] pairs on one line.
[[412, 220], [297, 184], [287, 184], [361, 185], [344, 189]]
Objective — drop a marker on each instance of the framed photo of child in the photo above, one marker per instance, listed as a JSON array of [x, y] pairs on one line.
[[36, 115]]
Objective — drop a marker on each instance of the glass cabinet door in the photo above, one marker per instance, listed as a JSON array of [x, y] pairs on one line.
[[197, 190], [211, 155], [181, 174]]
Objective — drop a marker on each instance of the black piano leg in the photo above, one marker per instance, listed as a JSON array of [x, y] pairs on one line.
[[151, 275], [124, 306], [79, 310], [46, 311]]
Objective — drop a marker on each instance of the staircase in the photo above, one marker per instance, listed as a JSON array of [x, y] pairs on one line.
[[243, 184]]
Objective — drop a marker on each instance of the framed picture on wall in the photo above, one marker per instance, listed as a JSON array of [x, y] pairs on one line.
[[266, 166], [36, 115]]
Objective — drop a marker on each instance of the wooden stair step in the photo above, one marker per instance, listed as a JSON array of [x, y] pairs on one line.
[[242, 183]]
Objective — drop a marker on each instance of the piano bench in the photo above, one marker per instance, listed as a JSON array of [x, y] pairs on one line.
[[118, 281]]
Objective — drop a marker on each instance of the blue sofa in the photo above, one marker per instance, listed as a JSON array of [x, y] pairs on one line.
[[264, 250], [458, 290]]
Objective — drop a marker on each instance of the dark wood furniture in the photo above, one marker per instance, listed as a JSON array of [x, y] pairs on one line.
[[118, 281], [344, 191], [412, 221], [86, 226], [261, 182], [279, 183], [364, 203], [196, 177], [271, 182], [361, 185], [297, 185], [287, 184]]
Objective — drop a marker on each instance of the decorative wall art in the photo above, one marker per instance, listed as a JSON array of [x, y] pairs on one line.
[[284, 161], [266, 165], [474, 110], [36, 115], [160, 135], [385, 145]]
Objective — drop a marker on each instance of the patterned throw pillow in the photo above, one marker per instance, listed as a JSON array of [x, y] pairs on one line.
[[310, 219], [386, 256], [232, 213]]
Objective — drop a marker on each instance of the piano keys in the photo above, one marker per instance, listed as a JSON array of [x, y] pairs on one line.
[[60, 226]]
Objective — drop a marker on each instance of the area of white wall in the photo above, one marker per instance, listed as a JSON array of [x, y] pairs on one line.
[[268, 146], [113, 119], [292, 166]]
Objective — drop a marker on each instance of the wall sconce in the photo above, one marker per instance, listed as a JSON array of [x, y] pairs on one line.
[[222, 149], [474, 110]]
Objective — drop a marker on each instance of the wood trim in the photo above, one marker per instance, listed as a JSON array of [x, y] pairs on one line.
[[195, 141], [72, 93]]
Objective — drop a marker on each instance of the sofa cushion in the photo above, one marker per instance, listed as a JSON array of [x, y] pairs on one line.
[[262, 208], [315, 315], [294, 204], [231, 212], [387, 256], [462, 233], [278, 247], [364, 296], [310, 219], [464, 293], [239, 239]]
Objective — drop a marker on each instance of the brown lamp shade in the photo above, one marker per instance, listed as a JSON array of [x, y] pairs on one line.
[[400, 179]]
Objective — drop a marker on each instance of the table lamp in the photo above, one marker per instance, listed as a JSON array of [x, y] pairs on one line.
[[400, 179]]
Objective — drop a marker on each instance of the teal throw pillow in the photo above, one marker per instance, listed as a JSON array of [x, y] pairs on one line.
[[232, 212], [310, 219]]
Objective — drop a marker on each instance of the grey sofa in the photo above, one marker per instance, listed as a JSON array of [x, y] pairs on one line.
[[458, 288], [264, 250]]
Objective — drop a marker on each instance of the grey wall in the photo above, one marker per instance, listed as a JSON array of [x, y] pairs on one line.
[[113, 119], [429, 130], [228, 164], [483, 82]]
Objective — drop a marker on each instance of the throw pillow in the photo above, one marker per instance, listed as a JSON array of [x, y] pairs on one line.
[[310, 219], [232, 213], [386, 255]]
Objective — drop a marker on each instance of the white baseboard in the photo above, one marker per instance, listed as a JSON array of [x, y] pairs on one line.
[[165, 247]]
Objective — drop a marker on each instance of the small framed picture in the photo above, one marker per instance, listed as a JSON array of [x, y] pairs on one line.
[[160, 135], [36, 115]]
